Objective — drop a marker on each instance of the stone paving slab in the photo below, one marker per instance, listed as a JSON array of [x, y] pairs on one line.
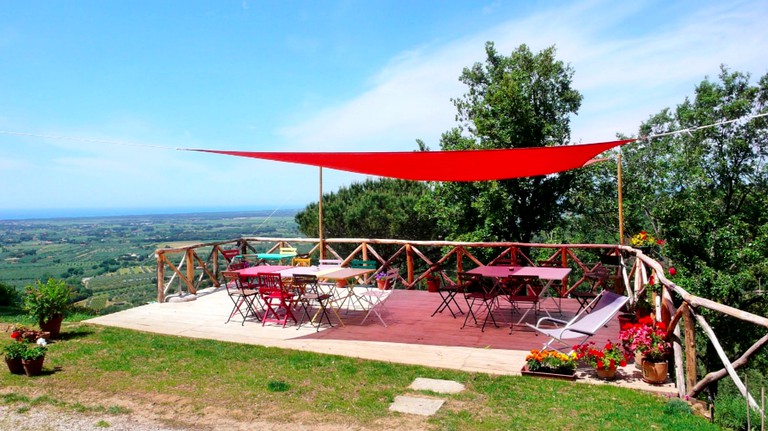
[[416, 405], [437, 385]]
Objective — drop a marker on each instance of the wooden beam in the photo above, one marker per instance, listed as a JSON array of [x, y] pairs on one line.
[[726, 362], [690, 346]]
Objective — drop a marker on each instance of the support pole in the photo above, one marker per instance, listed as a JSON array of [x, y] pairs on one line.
[[320, 217], [621, 200]]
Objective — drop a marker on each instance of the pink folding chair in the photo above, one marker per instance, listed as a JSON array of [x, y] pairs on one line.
[[278, 300]]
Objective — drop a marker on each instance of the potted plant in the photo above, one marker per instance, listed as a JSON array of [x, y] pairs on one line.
[[13, 353], [382, 281], [649, 341], [48, 303], [433, 283], [605, 361], [645, 241], [550, 363], [33, 357]]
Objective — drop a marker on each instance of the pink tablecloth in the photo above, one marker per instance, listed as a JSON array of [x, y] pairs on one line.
[[253, 271]]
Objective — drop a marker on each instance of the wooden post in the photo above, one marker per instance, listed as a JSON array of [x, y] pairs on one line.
[[690, 346], [409, 262], [160, 277], [621, 202], [191, 269]]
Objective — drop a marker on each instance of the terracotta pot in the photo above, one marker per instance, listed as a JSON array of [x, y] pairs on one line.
[[639, 358], [433, 284], [33, 367], [655, 372], [383, 284], [14, 365], [52, 325], [341, 283], [626, 321], [606, 373]]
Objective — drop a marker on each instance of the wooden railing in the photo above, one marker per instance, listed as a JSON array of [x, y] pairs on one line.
[[200, 265]]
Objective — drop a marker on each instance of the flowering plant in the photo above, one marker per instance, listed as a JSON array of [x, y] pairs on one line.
[[381, 275], [648, 340], [37, 351], [644, 239], [551, 361], [608, 358], [20, 349], [14, 350]]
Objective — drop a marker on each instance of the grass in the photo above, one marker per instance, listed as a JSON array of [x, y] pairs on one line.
[[166, 372]]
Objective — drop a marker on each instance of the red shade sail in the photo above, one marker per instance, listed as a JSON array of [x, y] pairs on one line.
[[466, 165]]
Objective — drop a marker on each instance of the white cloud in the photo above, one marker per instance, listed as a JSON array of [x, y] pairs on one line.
[[624, 78]]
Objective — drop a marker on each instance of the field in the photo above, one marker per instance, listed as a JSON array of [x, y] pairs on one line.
[[110, 260]]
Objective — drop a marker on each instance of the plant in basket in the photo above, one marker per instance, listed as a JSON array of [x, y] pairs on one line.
[[611, 356], [605, 361], [551, 361], [649, 342], [48, 303]]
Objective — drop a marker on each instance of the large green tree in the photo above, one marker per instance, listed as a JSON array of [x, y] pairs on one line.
[[705, 192], [521, 100], [382, 208]]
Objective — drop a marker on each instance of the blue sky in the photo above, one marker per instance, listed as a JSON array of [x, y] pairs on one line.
[[96, 96]]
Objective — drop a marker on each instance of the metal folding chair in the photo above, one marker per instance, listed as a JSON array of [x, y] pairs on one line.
[[448, 295], [241, 294], [309, 293], [476, 291]]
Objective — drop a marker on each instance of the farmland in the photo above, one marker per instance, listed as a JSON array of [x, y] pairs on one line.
[[110, 260]]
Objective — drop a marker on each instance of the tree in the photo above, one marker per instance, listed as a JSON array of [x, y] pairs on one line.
[[705, 193], [523, 100], [382, 208]]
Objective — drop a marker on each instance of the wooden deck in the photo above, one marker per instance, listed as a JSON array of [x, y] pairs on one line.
[[411, 335]]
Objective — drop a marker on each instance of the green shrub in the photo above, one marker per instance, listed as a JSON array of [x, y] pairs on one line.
[[15, 350], [45, 300], [9, 296], [731, 407], [676, 406]]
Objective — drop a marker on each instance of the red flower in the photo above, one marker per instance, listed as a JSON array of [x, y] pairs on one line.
[[661, 325], [623, 363], [600, 364], [672, 270], [15, 334]]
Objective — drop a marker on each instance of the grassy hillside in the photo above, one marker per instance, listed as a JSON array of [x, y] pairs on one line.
[[110, 260]]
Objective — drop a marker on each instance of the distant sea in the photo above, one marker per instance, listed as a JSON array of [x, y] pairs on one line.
[[24, 214]]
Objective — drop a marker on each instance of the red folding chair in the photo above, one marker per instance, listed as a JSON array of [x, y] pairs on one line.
[[278, 300]]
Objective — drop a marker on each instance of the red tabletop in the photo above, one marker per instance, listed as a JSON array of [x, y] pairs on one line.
[[253, 271], [543, 272]]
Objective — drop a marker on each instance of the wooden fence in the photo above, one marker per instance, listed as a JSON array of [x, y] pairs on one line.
[[200, 265]]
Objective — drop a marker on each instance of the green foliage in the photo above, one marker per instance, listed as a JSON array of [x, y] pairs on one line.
[[33, 351], [382, 208], [524, 100], [45, 300], [731, 406], [676, 406], [705, 192], [9, 296], [15, 349]]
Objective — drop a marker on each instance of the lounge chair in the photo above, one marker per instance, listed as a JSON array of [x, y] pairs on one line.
[[584, 325]]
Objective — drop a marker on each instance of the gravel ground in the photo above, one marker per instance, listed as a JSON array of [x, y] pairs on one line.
[[43, 418]]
